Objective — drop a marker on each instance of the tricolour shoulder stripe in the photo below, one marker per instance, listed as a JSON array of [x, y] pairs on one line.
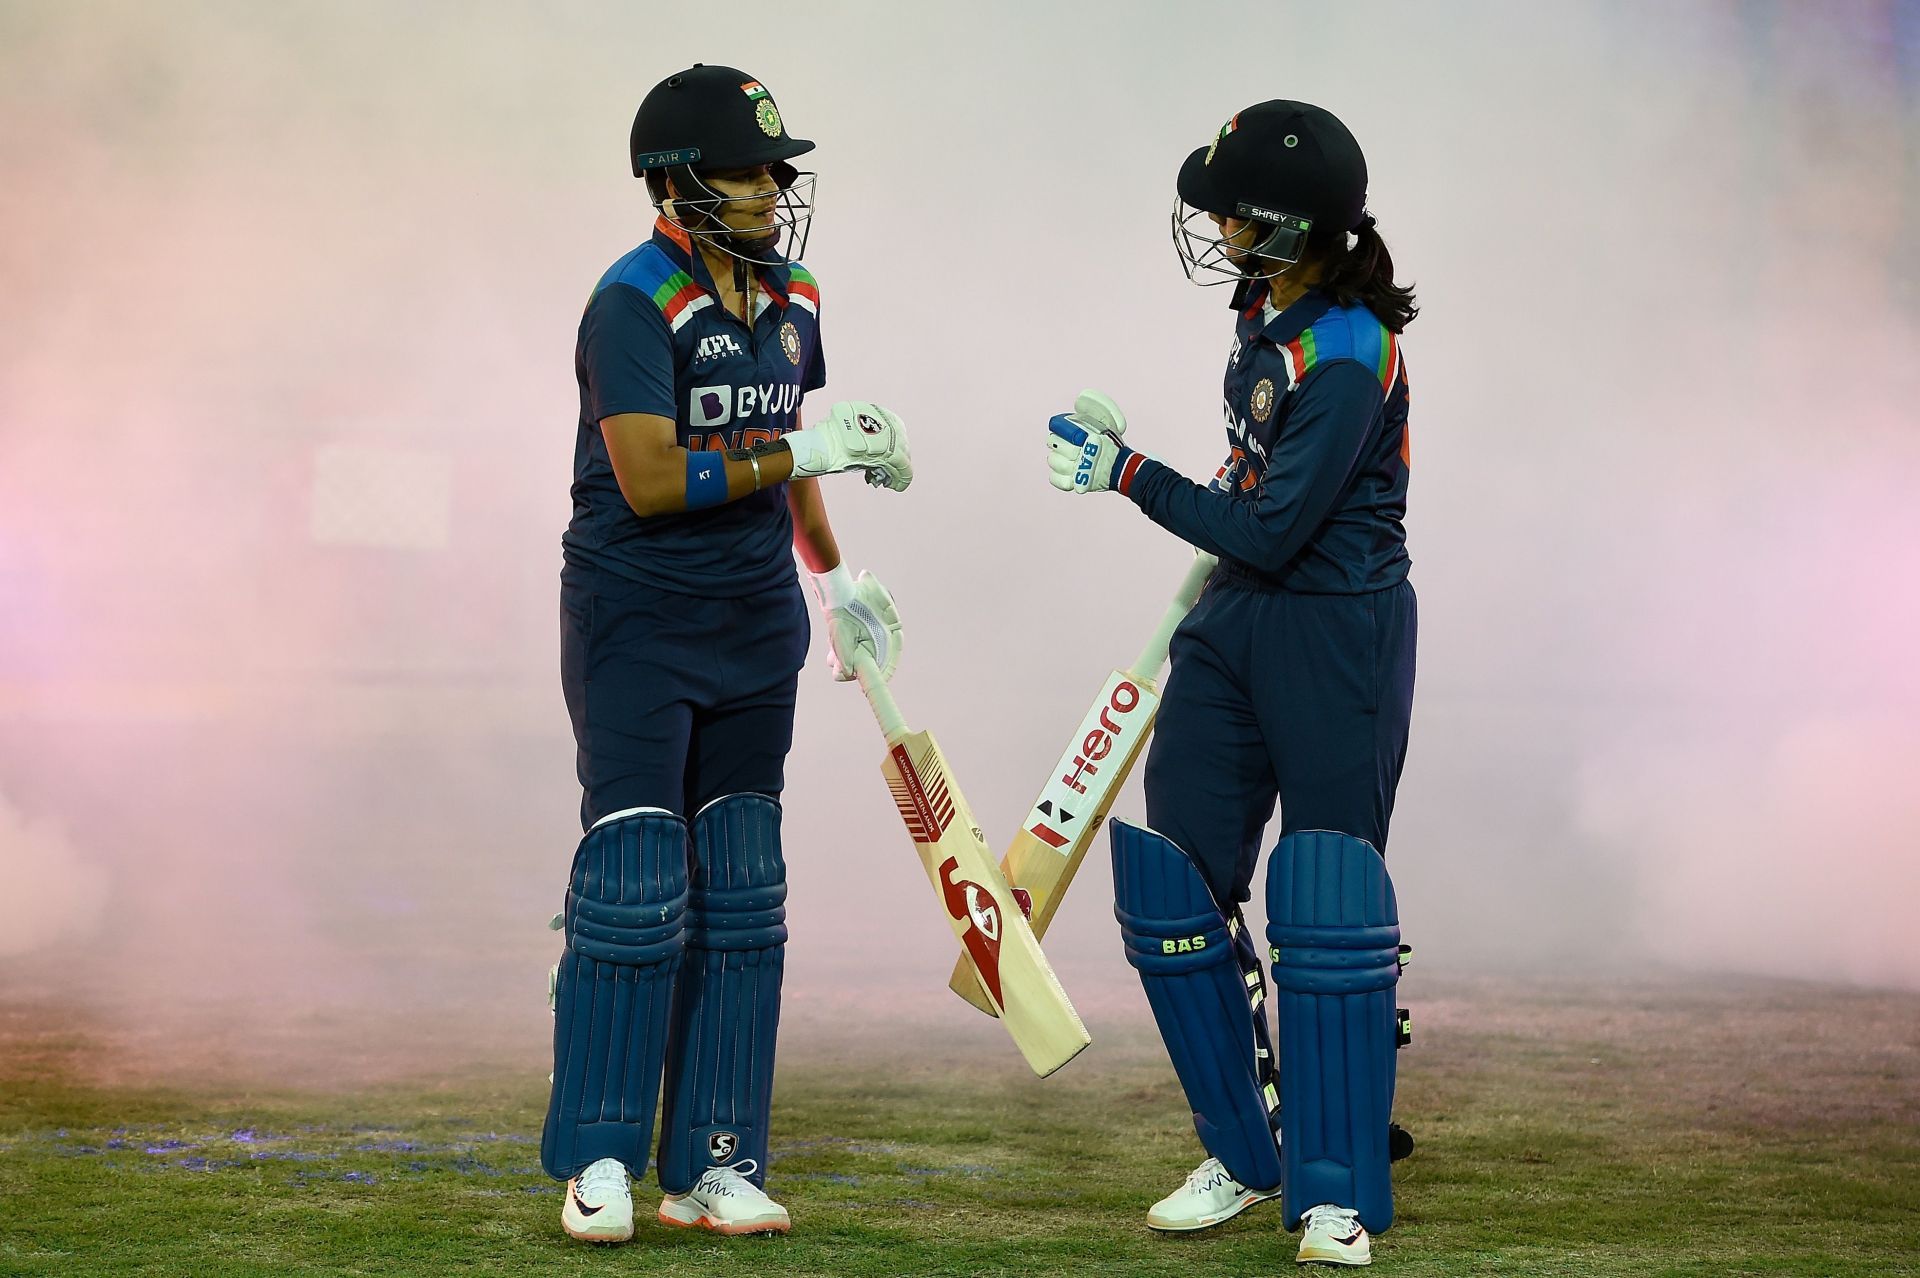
[[1301, 354], [803, 289], [1354, 333], [652, 272], [646, 269]]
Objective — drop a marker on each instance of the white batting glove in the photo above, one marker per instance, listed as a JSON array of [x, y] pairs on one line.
[[1084, 452], [854, 435], [860, 614]]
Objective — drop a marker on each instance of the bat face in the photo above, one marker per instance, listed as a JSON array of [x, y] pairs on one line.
[[971, 905], [1063, 821], [925, 799], [985, 916], [1082, 785], [927, 814]]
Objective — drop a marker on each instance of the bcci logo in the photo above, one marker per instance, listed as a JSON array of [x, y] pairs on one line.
[[722, 1146], [764, 111], [790, 342], [1225, 129], [1260, 403]]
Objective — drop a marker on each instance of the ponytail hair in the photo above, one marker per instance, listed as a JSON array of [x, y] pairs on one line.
[[1363, 274]]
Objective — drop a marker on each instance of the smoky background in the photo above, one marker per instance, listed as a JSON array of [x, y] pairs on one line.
[[287, 304]]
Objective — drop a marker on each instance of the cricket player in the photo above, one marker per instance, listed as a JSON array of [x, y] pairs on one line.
[[683, 630], [1291, 678]]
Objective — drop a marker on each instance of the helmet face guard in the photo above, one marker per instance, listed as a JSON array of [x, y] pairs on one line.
[[698, 208], [715, 119], [1286, 167], [1210, 259]]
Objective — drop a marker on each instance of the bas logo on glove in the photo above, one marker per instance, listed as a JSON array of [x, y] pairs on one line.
[[1089, 455]]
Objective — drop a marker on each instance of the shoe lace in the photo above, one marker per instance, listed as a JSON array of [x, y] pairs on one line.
[[1339, 1220], [1207, 1175], [731, 1180], [607, 1175]]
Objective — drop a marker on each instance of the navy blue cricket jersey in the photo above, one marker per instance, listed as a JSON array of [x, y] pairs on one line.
[[1313, 492], [654, 339]]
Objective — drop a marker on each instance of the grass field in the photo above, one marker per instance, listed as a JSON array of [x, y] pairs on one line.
[[1641, 1127]]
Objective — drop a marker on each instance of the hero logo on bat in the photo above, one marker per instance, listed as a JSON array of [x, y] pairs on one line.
[[1083, 779]]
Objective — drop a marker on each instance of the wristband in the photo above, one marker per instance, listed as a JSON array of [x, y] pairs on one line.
[[706, 480], [834, 586]]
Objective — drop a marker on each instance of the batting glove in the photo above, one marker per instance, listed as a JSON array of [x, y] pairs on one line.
[[1084, 452], [854, 435], [859, 614]]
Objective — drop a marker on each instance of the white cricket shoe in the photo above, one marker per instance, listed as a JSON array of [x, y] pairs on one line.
[[599, 1206], [726, 1202], [1210, 1196], [1334, 1237]]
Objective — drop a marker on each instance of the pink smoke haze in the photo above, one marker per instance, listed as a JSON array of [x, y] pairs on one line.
[[287, 304]]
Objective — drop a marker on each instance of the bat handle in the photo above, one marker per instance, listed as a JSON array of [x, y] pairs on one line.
[[886, 711], [1154, 655]]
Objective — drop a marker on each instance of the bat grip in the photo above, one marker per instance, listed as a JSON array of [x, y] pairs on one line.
[[886, 711], [1154, 655]]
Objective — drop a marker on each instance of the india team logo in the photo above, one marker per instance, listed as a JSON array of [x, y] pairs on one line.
[[1260, 403], [790, 342], [1225, 129], [769, 117]]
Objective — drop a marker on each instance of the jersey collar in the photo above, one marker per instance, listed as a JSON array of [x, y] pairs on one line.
[[1257, 319]]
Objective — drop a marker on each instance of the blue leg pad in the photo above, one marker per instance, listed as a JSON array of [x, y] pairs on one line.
[[626, 904], [719, 1089], [1334, 931], [1177, 939]]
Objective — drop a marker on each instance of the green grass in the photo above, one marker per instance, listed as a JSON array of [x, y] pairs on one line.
[[1644, 1128]]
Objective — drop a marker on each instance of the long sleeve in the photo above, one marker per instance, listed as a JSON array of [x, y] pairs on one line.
[[1333, 414]]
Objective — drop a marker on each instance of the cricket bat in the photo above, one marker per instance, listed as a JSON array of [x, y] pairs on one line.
[[1013, 975], [1061, 825]]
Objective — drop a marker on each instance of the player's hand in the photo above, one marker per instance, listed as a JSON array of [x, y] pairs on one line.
[[860, 614], [1083, 447], [854, 435]]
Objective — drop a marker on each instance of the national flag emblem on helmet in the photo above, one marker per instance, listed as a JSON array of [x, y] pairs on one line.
[[1225, 129]]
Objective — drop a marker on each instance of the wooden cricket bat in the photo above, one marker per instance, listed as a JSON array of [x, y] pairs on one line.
[[1061, 825], [1013, 975]]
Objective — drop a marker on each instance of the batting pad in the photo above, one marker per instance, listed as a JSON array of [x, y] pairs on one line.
[[626, 906], [1177, 939], [719, 1086], [1334, 932]]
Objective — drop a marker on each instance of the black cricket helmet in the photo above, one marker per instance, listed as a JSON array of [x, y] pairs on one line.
[[1290, 168], [710, 119]]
